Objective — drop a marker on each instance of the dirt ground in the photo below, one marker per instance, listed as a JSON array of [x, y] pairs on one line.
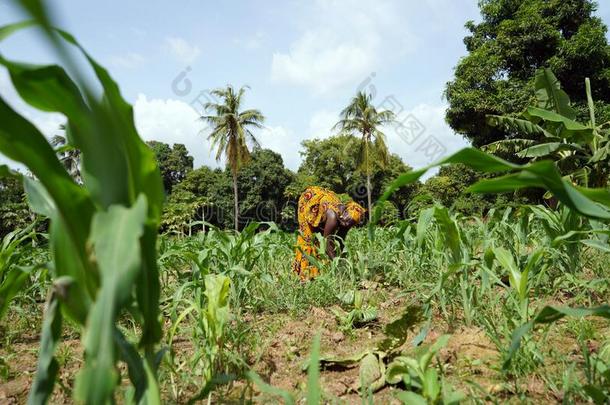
[[283, 345], [283, 354]]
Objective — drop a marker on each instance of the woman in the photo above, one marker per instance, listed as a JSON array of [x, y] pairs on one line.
[[321, 211]]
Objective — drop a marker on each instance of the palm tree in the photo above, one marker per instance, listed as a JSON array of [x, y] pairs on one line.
[[361, 118], [231, 131]]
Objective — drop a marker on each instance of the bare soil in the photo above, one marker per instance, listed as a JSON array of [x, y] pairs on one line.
[[282, 346]]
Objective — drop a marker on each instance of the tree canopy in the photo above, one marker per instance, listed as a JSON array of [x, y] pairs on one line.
[[262, 182], [174, 162], [513, 39], [14, 210]]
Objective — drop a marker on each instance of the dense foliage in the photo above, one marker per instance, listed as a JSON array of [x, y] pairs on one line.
[[268, 191], [14, 211], [514, 38], [174, 163]]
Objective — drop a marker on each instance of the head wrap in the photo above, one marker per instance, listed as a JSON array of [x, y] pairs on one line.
[[355, 211]]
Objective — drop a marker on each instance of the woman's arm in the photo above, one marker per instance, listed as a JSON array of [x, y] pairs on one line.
[[330, 228]]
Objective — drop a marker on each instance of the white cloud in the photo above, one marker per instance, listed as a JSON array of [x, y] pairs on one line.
[[182, 50], [424, 136], [130, 60], [343, 42], [319, 60], [321, 124], [173, 121], [283, 141]]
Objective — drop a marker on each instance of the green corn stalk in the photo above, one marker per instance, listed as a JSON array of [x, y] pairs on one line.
[[423, 380], [12, 275], [519, 279], [216, 316], [210, 310], [102, 234]]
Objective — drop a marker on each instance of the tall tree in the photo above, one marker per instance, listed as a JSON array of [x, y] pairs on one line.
[[213, 186], [362, 118], [513, 39], [231, 132], [174, 163], [262, 184]]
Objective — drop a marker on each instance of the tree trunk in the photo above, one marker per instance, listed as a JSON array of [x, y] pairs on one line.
[[236, 203], [368, 194], [368, 179], [203, 218]]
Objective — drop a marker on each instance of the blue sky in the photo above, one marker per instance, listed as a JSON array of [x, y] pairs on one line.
[[303, 60]]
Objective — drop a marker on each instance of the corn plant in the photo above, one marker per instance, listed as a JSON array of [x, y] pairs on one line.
[[421, 378], [519, 279], [208, 307], [597, 372], [237, 255], [12, 274], [588, 202], [563, 229], [103, 233], [439, 237]]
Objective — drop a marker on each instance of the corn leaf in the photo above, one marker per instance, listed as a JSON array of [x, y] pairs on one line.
[[313, 373], [548, 315], [47, 368], [115, 236]]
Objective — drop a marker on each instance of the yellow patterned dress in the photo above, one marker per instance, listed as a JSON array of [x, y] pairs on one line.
[[313, 204]]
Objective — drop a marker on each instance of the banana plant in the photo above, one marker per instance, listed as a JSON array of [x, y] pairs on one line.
[[549, 130]]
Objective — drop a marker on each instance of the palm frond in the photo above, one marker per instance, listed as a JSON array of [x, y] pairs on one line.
[[231, 132]]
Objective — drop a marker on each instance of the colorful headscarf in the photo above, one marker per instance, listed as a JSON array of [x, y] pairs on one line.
[[355, 211]]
